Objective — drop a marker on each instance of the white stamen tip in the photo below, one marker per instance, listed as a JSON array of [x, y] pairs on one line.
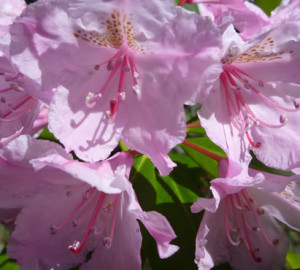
[[137, 90], [136, 75], [108, 114], [74, 246], [91, 99], [123, 95]]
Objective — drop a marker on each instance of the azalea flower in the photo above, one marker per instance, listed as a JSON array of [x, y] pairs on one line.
[[74, 209], [239, 225], [257, 96], [248, 18], [120, 70]]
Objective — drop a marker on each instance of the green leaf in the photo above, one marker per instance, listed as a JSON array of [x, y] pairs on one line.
[[47, 135], [172, 196], [209, 165], [7, 264], [267, 5], [293, 260]]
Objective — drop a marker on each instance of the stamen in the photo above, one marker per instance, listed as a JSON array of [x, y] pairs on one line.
[[137, 91], [91, 99], [76, 247]]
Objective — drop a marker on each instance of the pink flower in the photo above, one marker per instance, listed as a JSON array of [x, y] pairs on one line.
[[248, 18], [18, 109], [240, 224], [121, 71], [287, 11], [257, 96], [75, 208]]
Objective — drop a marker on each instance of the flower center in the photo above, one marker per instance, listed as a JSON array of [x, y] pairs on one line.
[[95, 205], [237, 84], [14, 102], [117, 33], [241, 220], [123, 61]]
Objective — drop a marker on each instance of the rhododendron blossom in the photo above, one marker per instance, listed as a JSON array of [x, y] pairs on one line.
[[75, 208], [239, 225], [253, 101], [124, 75]]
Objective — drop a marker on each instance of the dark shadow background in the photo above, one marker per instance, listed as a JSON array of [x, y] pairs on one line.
[[30, 1]]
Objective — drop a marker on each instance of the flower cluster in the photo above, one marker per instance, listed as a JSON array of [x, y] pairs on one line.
[[100, 74]]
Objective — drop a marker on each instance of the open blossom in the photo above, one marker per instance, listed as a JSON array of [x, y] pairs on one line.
[[239, 225], [74, 209], [248, 18], [122, 70], [257, 96]]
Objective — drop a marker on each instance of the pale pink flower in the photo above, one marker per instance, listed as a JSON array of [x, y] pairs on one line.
[[239, 225], [287, 11], [73, 209], [257, 96], [121, 69], [248, 18]]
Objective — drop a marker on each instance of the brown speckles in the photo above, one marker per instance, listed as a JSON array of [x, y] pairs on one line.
[[117, 30], [261, 52]]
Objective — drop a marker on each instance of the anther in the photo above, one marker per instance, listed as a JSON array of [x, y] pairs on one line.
[[97, 67], [137, 90], [123, 95], [261, 83], [110, 65], [91, 99], [260, 211], [74, 223], [136, 75], [283, 119], [126, 68], [53, 229], [275, 242], [69, 193], [3, 100], [107, 242], [297, 103], [74, 247]]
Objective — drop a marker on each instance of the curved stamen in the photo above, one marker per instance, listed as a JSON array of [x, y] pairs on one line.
[[76, 247]]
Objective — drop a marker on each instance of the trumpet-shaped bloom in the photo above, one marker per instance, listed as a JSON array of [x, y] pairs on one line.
[[121, 69], [71, 209], [257, 96], [240, 224]]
